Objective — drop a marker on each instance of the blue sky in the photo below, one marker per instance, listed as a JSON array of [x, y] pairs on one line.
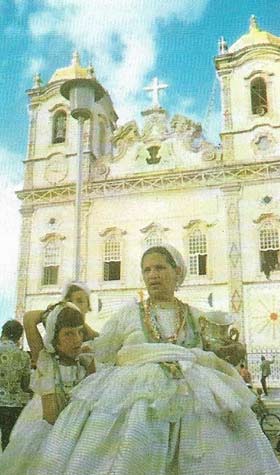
[[129, 42]]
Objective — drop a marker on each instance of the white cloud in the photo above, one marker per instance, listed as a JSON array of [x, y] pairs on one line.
[[213, 127], [118, 35], [35, 65], [9, 224]]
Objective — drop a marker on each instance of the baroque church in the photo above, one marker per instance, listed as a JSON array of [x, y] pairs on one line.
[[164, 182]]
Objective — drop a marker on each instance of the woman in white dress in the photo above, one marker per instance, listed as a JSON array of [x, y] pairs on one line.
[[160, 405]]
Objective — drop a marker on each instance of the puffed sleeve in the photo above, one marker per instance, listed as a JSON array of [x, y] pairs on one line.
[[43, 382], [112, 336]]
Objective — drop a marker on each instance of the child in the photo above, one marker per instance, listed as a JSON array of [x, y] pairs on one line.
[[75, 292], [58, 371]]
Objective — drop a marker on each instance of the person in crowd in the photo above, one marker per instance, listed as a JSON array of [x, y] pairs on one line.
[[76, 292], [265, 372], [160, 405], [245, 375], [60, 367], [14, 378]]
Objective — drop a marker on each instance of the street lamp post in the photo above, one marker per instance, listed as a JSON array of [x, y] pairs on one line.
[[81, 93]]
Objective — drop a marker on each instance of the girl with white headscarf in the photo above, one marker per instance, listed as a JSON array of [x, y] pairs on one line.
[[160, 405], [60, 367], [76, 292]]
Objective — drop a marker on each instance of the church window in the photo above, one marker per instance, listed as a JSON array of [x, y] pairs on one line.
[[112, 259], [154, 238], [59, 127], [51, 262], [197, 253], [258, 96], [269, 249]]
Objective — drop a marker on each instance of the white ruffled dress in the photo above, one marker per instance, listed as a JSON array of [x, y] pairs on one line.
[[133, 417], [30, 429]]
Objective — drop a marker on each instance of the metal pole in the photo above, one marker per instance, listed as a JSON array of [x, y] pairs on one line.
[[78, 201]]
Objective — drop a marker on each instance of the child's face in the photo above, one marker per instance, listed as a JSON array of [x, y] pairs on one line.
[[69, 341], [80, 299]]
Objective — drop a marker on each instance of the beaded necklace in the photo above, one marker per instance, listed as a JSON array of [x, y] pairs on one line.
[[152, 326], [60, 380]]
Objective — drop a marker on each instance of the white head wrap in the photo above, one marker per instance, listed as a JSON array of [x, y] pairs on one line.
[[51, 324], [177, 257], [81, 285]]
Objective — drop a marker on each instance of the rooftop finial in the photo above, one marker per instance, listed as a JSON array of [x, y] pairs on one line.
[[76, 59], [155, 88], [90, 71], [222, 45], [254, 23], [37, 81]]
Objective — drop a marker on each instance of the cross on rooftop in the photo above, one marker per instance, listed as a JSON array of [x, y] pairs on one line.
[[155, 87]]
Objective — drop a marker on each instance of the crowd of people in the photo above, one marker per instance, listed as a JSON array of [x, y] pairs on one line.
[[142, 397]]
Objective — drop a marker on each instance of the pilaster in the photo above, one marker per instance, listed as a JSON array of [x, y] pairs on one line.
[[27, 214], [235, 283], [33, 114], [227, 138], [85, 212]]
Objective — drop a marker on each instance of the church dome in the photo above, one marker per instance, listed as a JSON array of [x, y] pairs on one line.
[[74, 71], [255, 37]]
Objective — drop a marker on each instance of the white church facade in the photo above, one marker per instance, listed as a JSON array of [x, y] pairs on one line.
[[164, 182]]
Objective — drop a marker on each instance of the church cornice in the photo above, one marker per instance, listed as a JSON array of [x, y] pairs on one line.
[[255, 126], [232, 60], [211, 177]]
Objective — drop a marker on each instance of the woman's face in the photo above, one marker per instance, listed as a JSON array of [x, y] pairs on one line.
[[69, 341], [80, 299], [159, 276]]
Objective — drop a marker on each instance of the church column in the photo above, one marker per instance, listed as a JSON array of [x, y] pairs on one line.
[[235, 284], [28, 171], [85, 212], [22, 280], [227, 138]]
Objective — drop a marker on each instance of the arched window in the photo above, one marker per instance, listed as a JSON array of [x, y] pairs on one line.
[[269, 248], [112, 258], [154, 238], [258, 96], [154, 235], [197, 247], [51, 262], [59, 127]]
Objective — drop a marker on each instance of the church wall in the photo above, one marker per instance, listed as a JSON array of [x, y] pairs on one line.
[[64, 228], [172, 210], [251, 208]]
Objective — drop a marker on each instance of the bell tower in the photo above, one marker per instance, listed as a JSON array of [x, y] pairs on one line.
[[249, 74]]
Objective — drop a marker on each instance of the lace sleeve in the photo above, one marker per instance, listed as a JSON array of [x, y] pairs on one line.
[[43, 382], [112, 336]]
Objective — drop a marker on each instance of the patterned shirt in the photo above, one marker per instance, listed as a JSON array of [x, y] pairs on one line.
[[14, 366]]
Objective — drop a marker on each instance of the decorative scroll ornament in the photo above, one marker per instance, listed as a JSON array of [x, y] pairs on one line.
[[100, 169], [123, 137], [187, 131], [263, 143], [155, 127]]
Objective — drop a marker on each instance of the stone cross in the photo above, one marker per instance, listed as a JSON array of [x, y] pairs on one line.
[[155, 88]]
